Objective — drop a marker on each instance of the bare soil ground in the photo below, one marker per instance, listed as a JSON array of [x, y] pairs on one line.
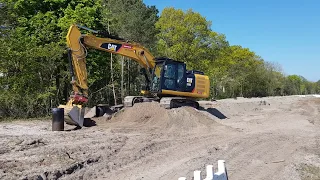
[[259, 138]]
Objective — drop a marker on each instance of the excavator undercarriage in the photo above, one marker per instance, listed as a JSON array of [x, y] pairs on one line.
[[165, 102]]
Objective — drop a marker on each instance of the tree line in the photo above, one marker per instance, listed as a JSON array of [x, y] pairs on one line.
[[34, 69]]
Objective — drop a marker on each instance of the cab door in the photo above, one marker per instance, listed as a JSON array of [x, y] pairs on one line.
[[174, 76]]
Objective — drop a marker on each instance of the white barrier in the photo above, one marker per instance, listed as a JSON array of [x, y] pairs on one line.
[[220, 175]]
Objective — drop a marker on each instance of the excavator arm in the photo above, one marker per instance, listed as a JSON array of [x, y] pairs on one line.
[[77, 44], [77, 51]]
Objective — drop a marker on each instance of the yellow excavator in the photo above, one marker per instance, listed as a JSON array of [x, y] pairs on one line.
[[166, 80]]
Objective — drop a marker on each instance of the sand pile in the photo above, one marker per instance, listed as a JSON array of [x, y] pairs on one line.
[[152, 116]]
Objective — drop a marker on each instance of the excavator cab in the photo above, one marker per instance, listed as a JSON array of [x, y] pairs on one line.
[[168, 74], [177, 86]]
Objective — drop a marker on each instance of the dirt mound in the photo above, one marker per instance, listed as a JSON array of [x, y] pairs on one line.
[[151, 116]]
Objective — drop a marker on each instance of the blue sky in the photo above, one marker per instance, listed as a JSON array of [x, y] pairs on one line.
[[282, 31]]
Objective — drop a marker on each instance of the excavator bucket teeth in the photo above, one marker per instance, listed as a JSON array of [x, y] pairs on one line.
[[76, 115]]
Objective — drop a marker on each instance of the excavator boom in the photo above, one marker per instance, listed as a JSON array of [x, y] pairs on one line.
[[78, 42]]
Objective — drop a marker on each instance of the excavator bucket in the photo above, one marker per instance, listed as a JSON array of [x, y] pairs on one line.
[[73, 115], [99, 110], [76, 115]]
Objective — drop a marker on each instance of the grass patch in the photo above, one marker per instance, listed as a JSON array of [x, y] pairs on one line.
[[309, 172]]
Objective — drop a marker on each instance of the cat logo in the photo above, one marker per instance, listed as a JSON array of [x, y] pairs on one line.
[[112, 47]]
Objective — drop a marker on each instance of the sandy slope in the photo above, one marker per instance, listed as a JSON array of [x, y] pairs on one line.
[[260, 138]]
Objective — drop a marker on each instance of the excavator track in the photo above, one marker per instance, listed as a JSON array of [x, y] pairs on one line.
[[129, 101], [175, 102], [165, 102]]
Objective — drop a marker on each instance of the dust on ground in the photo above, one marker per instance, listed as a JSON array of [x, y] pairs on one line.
[[259, 138]]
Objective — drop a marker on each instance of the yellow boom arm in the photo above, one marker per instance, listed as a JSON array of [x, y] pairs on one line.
[[77, 44]]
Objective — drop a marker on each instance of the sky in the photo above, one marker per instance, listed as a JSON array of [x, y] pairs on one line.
[[286, 32]]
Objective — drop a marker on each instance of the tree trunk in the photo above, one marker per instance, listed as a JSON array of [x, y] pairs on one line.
[[112, 82], [111, 70], [122, 90], [128, 70]]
